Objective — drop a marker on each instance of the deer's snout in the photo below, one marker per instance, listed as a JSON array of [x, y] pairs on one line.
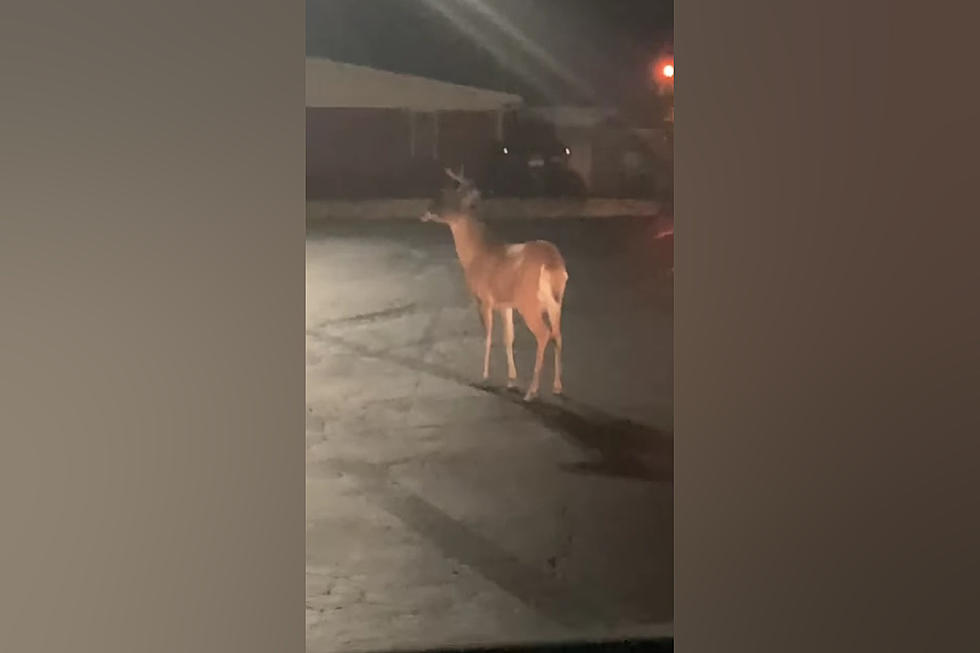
[[431, 211], [430, 214]]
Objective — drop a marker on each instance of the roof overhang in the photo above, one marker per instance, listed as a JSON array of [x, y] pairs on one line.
[[334, 84]]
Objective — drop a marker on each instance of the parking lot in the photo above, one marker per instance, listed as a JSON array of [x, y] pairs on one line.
[[445, 511]]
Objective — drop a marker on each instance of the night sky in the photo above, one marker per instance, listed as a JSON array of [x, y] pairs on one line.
[[548, 51]]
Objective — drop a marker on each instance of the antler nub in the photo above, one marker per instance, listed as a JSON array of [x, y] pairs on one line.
[[456, 176]]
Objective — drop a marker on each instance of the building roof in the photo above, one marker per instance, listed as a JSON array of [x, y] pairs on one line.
[[335, 84]]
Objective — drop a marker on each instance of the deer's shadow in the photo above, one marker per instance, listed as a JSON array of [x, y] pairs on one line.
[[615, 447]]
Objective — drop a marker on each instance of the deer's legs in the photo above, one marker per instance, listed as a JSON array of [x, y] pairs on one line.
[[557, 387], [554, 318], [486, 312], [508, 315], [542, 334]]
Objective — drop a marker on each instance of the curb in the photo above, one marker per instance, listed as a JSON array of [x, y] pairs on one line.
[[502, 208]]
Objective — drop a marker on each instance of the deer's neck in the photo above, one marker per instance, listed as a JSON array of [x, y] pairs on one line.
[[471, 240]]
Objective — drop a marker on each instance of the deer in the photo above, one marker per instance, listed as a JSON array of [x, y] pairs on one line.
[[530, 277]]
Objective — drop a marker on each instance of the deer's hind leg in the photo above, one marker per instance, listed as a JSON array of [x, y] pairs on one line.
[[534, 318], [554, 318]]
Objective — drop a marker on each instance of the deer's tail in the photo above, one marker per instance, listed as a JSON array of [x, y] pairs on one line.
[[551, 293], [551, 283]]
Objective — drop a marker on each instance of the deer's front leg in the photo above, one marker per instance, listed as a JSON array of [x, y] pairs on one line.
[[508, 315], [486, 312]]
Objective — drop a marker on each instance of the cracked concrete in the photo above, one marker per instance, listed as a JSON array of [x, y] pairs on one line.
[[441, 512]]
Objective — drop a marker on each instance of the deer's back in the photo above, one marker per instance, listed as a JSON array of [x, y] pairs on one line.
[[510, 273]]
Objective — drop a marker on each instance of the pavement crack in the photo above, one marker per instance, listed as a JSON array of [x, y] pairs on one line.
[[374, 316]]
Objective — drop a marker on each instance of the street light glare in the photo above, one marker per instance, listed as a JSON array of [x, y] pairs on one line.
[[668, 70]]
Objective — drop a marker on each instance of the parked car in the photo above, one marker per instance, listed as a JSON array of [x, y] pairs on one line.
[[531, 161]]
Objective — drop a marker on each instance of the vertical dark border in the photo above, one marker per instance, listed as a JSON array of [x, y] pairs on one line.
[[151, 365], [826, 326]]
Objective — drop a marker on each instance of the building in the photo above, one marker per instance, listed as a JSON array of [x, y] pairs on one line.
[[375, 133]]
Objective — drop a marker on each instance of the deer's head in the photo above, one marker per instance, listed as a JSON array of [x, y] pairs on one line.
[[454, 201]]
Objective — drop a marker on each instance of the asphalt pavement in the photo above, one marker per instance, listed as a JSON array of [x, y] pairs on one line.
[[442, 511]]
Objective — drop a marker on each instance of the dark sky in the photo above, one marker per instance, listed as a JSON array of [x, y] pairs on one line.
[[548, 51]]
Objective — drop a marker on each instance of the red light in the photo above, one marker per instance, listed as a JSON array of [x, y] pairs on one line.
[[662, 72]]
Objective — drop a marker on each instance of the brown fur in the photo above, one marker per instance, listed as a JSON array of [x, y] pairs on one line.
[[530, 277]]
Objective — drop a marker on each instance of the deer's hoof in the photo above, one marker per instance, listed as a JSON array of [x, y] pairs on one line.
[[511, 384], [530, 395]]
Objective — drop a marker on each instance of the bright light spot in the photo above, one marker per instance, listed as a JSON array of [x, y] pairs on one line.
[[568, 152], [506, 151], [668, 70]]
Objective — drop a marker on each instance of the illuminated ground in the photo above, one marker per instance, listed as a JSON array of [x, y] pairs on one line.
[[442, 513]]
